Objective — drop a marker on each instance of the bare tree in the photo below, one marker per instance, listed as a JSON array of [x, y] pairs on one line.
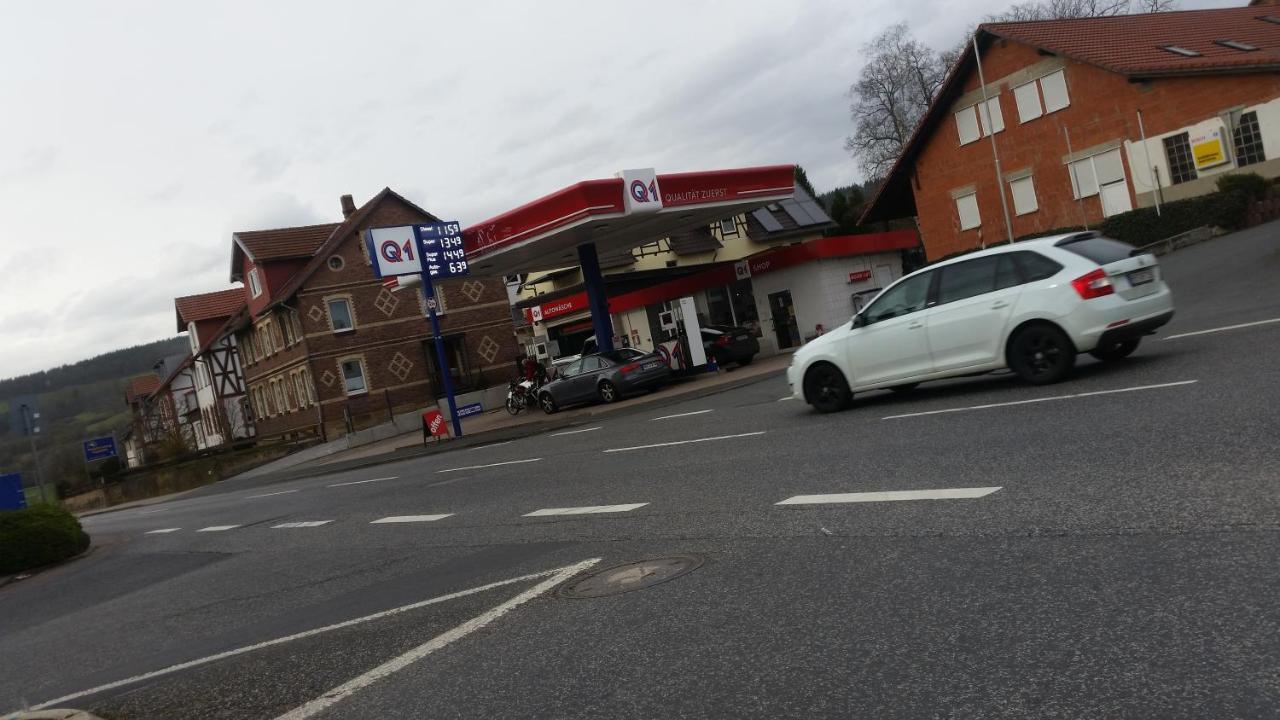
[[1063, 9], [892, 93]]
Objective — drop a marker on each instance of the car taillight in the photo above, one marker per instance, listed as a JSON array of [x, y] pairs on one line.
[[1094, 285], [630, 368], [723, 341]]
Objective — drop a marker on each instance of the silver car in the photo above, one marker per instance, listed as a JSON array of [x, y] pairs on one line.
[[604, 376]]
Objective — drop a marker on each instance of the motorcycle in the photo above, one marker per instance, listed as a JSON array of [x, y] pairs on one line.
[[521, 395]]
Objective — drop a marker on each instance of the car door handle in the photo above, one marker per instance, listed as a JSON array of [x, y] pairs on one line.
[[915, 325], [999, 304]]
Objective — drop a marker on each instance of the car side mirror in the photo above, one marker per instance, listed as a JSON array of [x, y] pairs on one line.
[[859, 320]]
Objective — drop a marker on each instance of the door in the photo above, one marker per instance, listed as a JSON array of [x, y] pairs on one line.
[[583, 385], [974, 301], [891, 341], [784, 319]]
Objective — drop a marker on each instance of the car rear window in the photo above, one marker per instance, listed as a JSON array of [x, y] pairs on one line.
[[1036, 266], [1101, 250]]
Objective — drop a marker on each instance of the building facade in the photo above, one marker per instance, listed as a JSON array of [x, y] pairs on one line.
[[223, 405], [328, 349], [1086, 124]]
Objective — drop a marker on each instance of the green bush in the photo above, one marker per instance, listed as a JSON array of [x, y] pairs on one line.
[[1253, 185], [39, 535], [1143, 226]]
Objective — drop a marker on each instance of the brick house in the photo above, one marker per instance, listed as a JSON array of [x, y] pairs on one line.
[[327, 349], [1062, 102], [223, 409]]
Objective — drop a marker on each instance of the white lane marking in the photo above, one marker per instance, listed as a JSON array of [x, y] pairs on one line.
[[356, 684], [575, 432], [685, 442], [789, 397], [410, 518], [361, 482], [152, 512], [301, 524], [890, 496], [1043, 399], [586, 510], [1222, 329], [282, 492], [482, 447], [218, 528], [680, 415], [481, 467], [161, 531], [571, 569]]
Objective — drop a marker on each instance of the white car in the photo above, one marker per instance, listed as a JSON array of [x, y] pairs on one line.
[[1030, 307]]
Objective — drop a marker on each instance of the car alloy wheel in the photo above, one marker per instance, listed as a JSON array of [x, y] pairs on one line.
[[608, 392], [548, 404], [826, 389], [1042, 354]]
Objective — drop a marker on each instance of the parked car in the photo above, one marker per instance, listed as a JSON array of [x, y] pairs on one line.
[[589, 346], [730, 344], [1030, 307], [605, 376]]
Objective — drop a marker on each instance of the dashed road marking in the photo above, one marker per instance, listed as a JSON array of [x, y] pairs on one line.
[[890, 496], [162, 531], [586, 510], [575, 432], [411, 518], [282, 492], [1223, 328], [482, 447], [301, 524], [680, 415], [481, 467], [685, 442], [218, 528], [361, 482], [1040, 400], [784, 399]]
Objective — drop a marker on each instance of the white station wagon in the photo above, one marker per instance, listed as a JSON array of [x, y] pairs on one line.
[[1031, 307]]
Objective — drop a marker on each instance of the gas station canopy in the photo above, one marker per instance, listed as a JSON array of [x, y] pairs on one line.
[[618, 214]]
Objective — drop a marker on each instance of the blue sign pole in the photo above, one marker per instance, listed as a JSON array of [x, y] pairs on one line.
[[441, 362]]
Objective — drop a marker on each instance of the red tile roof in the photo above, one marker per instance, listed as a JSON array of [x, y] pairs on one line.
[[140, 387], [283, 243], [1131, 44], [208, 306]]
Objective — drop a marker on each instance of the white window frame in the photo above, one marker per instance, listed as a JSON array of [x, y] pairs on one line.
[[966, 118], [1096, 184], [278, 390], [255, 283], [960, 210], [1027, 182], [990, 116], [364, 375], [351, 315], [1044, 91], [1054, 81]]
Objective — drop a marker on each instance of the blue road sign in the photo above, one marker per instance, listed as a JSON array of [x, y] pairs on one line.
[[472, 409], [440, 247], [12, 496], [99, 449]]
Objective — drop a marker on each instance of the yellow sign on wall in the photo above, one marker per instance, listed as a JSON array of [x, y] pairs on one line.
[[1208, 150]]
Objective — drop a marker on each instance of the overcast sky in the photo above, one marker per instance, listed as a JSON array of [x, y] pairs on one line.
[[135, 137]]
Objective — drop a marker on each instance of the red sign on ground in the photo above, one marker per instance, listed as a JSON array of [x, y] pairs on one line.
[[859, 276], [433, 424]]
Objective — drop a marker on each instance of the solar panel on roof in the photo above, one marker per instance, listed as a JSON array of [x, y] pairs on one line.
[[1236, 45], [815, 211], [1179, 50], [798, 213], [766, 219]]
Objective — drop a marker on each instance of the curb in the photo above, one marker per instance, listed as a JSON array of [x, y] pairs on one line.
[[31, 572], [52, 714]]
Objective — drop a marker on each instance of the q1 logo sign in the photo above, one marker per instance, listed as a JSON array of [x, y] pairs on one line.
[[393, 251], [641, 192]]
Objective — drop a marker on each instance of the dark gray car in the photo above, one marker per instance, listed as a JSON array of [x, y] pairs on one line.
[[604, 376]]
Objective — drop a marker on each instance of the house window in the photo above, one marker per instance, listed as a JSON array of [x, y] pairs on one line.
[[353, 376], [276, 336], [967, 209], [286, 329], [336, 263], [967, 125], [991, 116], [297, 326], [255, 284], [308, 385], [728, 227], [271, 400], [340, 315], [1053, 87], [1247, 138], [1028, 100], [278, 388], [289, 396], [1023, 191], [1182, 167], [264, 341], [1102, 174], [299, 389]]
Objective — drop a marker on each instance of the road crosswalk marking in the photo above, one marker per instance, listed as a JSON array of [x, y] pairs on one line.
[[410, 518], [301, 524], [890, 496], [217, 528], [586, 510]]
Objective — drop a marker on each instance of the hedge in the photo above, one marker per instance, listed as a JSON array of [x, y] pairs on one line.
[[1143, 226], [38, 535]]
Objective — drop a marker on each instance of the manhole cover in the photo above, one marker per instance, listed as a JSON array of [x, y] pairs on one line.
[[630, 576]]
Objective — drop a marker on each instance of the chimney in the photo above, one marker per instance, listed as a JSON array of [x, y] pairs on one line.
[[348, 206]]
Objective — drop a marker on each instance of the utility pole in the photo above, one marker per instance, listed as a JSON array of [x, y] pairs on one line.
[[1004, 204], [29, 417]]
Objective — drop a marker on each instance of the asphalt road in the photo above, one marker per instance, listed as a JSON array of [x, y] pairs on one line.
[[1112, 555]]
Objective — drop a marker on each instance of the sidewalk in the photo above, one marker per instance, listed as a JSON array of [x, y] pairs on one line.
[[500, 426]]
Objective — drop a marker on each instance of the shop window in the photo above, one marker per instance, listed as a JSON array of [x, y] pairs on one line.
[[1177, 149], [967, 125], [353, 377], [967, 210], [1247, 138], [719, 306], [340, 319], [1023, 191], [461, 373]]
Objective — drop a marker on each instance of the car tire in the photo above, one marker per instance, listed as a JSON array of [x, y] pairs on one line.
[[1118, 350], [608, 393], [826, 389], [1041, 354], [904, 389], [548, 404]]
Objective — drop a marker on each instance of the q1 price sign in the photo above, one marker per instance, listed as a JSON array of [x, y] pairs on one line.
[[440, 246]]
